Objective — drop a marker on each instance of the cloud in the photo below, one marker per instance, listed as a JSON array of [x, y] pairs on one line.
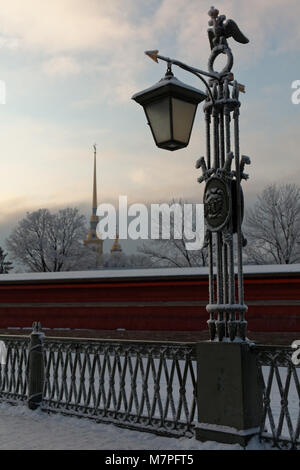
[[8, 43], [138, 176], [61, 66], [69, 37], [64, 25], [271, 25], [108, 38], [102, 44]]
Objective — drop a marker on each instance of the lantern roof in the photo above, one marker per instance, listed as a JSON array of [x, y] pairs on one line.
[[172, 86]]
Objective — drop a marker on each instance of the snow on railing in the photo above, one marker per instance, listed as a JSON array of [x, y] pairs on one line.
[[135, 384], [280, 379], [142, 385], [13, 370], [139, 385]]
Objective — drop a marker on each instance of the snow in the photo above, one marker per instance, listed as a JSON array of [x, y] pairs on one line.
[[23, 429], [141, 273], [227, 429]]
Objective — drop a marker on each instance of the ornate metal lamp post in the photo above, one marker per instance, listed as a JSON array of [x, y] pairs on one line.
[[223, 196]]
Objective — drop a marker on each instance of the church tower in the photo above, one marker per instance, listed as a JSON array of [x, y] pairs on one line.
[[92, 241], [116, 247]]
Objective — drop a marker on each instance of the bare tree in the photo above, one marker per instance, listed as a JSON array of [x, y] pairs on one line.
[[5, 265], [121, 260], [272, 227], [45, 242], [173, 252]]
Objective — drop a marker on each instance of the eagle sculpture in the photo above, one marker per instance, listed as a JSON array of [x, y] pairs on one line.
[[220, 31]]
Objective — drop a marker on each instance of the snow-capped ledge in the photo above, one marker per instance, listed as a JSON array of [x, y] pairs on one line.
[[114, 274], [227, 429]]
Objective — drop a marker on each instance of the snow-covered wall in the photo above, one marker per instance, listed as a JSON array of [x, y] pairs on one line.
[[144, 273]]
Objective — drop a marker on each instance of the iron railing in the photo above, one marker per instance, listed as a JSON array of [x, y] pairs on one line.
[[13, 375], [147, 386], [280, 379], [139, 385]]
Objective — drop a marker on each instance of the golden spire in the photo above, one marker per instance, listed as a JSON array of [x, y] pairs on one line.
[[95, 183], [92, 240], [116, 247]]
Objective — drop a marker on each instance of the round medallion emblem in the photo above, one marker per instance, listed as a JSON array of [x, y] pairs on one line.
[[217, 204]]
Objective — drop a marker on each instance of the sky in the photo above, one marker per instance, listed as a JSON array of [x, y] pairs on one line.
[[70, 69]]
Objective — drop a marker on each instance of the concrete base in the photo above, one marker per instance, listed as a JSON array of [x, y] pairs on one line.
[[229, 395], [223, 434]]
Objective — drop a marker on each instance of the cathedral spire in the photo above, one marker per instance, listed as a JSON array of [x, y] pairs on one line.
[[92, 240], [94, 207], [116, 247]]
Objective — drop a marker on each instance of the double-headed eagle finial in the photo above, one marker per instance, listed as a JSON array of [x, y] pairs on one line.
[[220, 31]]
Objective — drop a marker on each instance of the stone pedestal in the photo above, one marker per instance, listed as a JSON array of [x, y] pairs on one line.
[[229, 395]]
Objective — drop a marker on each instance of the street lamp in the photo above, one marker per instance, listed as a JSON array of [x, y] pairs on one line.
[[170, 107]]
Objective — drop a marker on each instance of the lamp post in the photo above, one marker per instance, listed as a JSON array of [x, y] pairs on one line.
[[170, 108]]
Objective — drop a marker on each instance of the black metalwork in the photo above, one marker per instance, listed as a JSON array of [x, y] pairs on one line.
[[144, 386], [36, 367], [13, 375], [217, 204], [220, 31], [223, 196], [280, 379], [227, 318]]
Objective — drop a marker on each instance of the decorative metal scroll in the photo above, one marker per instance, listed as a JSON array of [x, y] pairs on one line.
[[223, 197]]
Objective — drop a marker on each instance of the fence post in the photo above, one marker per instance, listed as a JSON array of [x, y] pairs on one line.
[[36, 367], [229, 393]]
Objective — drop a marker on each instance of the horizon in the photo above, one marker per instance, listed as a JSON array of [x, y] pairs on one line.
[[65, 91]]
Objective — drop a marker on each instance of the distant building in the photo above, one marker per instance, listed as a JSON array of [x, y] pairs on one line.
[[116, 247], [92, 240]]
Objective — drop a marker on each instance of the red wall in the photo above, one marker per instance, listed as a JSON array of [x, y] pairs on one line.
[[144, 304]]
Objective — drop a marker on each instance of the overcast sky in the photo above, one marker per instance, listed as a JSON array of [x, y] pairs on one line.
[[71, 67]]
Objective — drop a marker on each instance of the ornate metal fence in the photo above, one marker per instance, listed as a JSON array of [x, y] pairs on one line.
[[280, 379], [147, 386], [13, 375]]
